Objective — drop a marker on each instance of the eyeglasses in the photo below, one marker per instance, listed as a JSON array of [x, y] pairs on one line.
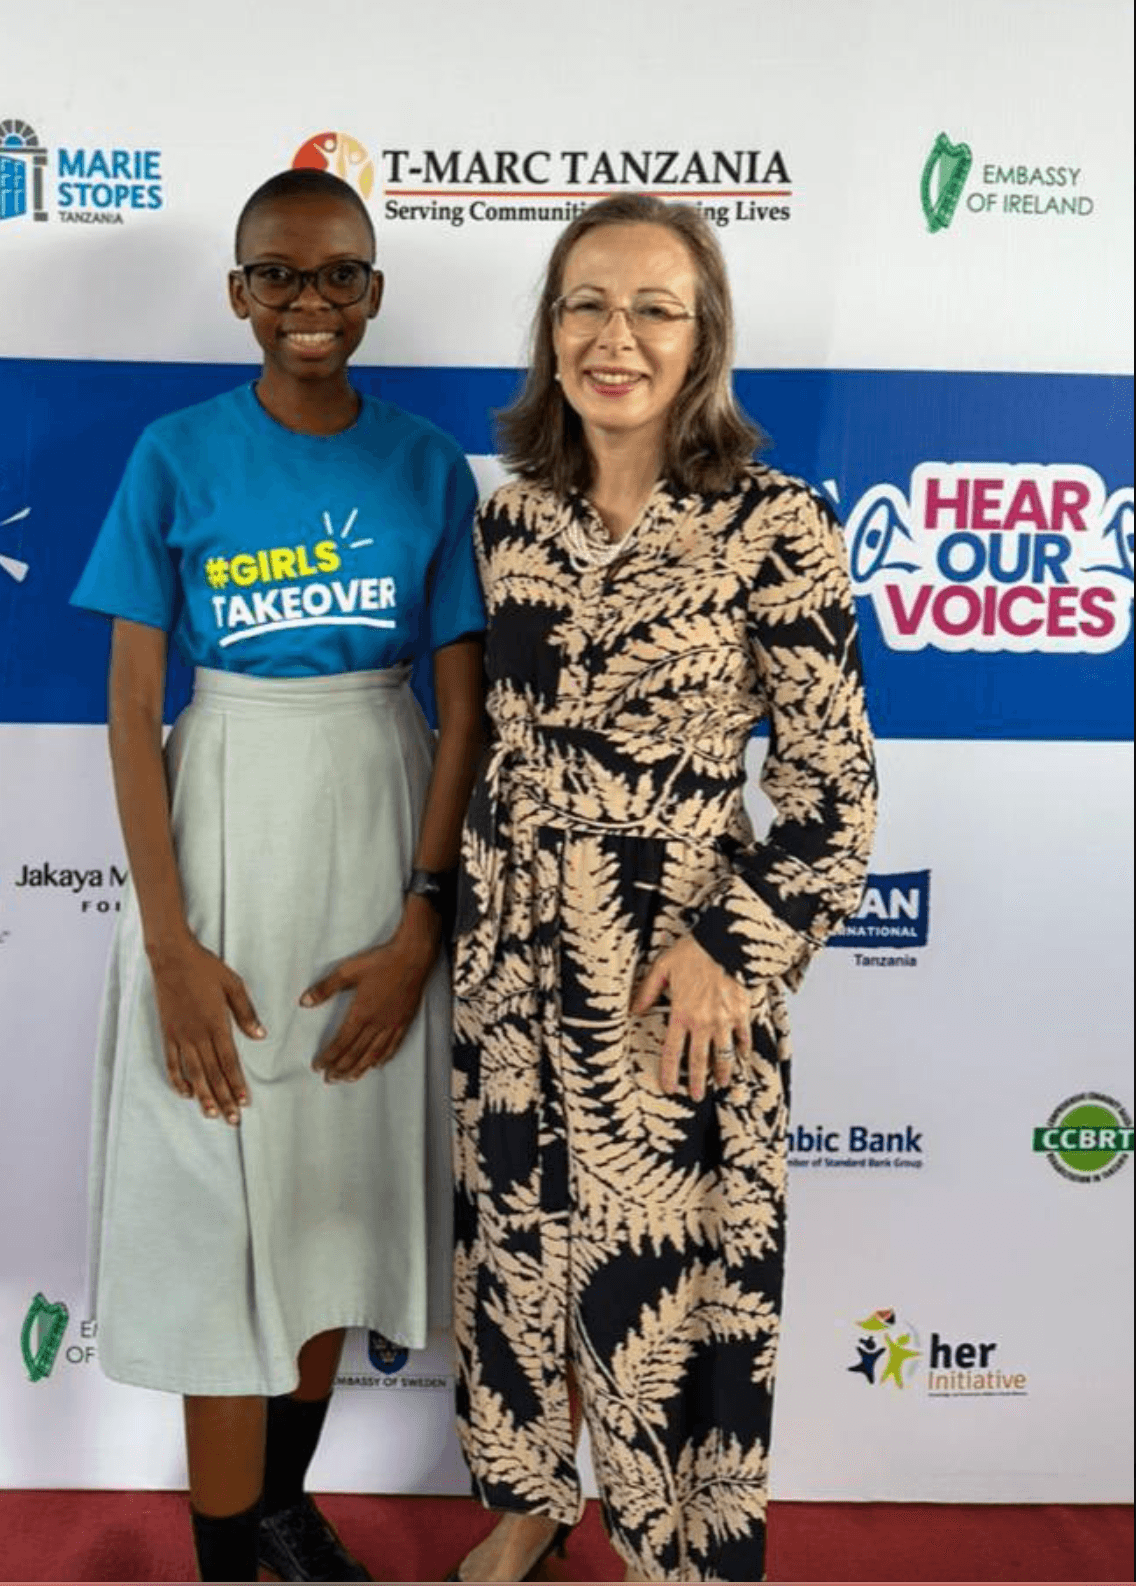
[[648, 318], [343, 282]]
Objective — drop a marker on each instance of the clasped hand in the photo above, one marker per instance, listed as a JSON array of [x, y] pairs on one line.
[[200, 997], [709, 1016]]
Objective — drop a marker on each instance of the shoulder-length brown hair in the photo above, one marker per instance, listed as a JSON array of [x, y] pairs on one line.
[[709, 440]]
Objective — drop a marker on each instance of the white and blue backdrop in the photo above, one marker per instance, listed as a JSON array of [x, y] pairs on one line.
[[927, 217]]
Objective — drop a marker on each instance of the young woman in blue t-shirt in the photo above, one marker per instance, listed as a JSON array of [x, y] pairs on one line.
[[271, 1147]]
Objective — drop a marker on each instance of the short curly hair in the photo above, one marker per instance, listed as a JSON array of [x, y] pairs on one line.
[[301, 183]]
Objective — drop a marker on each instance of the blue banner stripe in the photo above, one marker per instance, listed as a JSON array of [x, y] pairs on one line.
[[68, 427]]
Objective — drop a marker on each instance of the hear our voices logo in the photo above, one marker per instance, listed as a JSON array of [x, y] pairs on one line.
[[996, 557]]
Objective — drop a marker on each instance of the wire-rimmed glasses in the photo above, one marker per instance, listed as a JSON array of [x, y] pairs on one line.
[[649, 316]]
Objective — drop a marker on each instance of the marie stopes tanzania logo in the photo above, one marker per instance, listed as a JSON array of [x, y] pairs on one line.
[[1087, 1137], [452, 186], [891, 1355], [89, 184], [1006, 186], [996, 557]]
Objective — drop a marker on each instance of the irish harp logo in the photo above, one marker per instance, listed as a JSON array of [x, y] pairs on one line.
[[41, 1336], [944, 177]]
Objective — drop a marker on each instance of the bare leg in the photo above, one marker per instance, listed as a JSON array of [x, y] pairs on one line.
[[224, 1441], [318, 1362], [507, 1553]]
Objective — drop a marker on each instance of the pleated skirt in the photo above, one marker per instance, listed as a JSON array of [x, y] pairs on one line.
[[218, 1250]]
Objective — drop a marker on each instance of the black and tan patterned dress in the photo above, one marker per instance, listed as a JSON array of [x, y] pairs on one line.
[[636, 1234]]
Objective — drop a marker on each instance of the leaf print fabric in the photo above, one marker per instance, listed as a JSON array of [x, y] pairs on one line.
[[637, 1235]]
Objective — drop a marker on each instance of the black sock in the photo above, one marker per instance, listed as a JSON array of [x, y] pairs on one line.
[[226, 1544], [291, 1433]]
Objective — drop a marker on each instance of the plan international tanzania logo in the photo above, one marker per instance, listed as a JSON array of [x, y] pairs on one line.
[[92, 184], [893, 918], [41, 1335], [995, 556], [1088, 1137], [451, 186], [1006, 186], [890, 1355]]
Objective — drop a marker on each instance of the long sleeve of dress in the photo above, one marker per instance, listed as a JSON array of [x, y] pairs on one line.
[[787, 893]]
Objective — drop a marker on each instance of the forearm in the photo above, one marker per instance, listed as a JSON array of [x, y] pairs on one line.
[[135, 733]]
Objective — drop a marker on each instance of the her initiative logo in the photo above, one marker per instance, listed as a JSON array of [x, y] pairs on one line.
[[996, 557]]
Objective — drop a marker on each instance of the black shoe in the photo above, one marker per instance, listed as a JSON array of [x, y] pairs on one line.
[[299, 1544]]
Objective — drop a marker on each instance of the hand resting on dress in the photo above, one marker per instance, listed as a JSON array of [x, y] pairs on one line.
[[708, 1010], [198, 995], [388, 982]]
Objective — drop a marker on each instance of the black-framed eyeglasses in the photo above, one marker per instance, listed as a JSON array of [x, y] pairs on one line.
[[342, 282]]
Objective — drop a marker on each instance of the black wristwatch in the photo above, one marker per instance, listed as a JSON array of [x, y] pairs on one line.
[[435, 886]]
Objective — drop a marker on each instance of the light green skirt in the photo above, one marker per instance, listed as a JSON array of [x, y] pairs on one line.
[[217, 1251]]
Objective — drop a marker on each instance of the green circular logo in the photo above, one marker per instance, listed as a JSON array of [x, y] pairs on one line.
[[1087, 1137]]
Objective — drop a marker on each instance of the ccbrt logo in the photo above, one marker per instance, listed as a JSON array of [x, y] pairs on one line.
[[891, 1354], [1087, 1138], [1019, 557]]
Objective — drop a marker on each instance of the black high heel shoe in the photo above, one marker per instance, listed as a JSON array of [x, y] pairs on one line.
[[555, 1544]]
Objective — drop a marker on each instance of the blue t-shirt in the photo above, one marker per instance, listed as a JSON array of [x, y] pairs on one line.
[[286, 555]]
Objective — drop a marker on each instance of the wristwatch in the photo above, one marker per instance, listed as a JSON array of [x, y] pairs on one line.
[[435, 886]]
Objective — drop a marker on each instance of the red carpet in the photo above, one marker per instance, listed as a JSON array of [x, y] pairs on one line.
[[144, 1536]]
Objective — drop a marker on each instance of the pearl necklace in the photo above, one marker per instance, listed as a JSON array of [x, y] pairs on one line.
[[584, 554]]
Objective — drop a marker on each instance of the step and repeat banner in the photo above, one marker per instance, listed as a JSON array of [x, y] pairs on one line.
[[927, 221]]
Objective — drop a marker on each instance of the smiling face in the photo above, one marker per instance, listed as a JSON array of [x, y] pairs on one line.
[[620, 382], [310, 339]]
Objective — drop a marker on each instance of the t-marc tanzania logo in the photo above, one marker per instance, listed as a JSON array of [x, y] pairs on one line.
[[41, 1336], [23, 165], [1087, 1138], [93, 185], [890, 1355], [342, 155], [893, 918], [385, 1355], [996, 557], [945, 171], [451, 186]]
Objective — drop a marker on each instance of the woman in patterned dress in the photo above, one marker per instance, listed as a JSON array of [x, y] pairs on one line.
[[621, 1046]]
